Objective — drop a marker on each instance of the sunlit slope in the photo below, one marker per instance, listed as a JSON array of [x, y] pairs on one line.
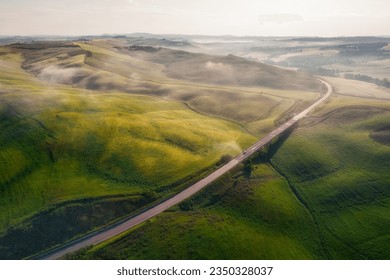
[[60, 143], [222, 70], [108, 65], [238, 217], [327, 198], [342, 172], [88, 125]]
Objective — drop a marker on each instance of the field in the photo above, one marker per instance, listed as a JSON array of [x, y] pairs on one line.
[[97, 130], [346, 183], [86, 142], [235, 218], [319, 193], [359, 89]]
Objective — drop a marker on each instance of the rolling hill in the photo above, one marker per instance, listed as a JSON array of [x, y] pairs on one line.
[[92, 132], [319, 193]]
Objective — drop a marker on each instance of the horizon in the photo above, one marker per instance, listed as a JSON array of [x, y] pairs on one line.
[[281, 18], [136, 34]]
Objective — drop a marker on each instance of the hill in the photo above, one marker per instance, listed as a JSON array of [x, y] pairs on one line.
[[319, 193], [223, 70], [93, 132]]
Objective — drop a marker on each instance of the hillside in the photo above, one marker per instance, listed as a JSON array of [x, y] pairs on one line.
[[261, 96], [67, 63], [222, 70], [319, 192], [92, 133]]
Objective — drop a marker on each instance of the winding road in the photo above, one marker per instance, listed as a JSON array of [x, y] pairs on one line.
[[98, 237]]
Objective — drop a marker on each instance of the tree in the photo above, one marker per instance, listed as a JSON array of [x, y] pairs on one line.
[[224, 159], [386, 83], [247, 171], [186, 205]]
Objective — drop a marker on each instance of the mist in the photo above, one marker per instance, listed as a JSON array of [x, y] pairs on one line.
[[56, 75]]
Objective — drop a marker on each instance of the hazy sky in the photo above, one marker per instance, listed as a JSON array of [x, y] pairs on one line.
[[210, 17]]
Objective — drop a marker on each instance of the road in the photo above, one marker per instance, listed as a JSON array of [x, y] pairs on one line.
[[101, 236]]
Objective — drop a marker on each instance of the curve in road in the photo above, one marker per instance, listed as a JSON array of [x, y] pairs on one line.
[[101, 236]]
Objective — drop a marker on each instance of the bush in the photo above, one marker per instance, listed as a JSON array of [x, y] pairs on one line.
[[224, 159]]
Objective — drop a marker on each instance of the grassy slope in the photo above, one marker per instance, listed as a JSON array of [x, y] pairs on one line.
[[335, 171], [97, 65], [359, 88], [342, 174], [254, 107], [60, 144], [233, 219], [222, 70]]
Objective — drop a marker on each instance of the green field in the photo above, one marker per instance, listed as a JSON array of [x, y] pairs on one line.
[[321, 193], [94, 131], [86, 142], [61, 144], [235, 218]]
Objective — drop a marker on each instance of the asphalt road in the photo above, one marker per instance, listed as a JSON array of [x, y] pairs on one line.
[[101, 236]]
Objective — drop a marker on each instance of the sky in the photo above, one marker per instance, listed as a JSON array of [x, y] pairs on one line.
[[207, 17]]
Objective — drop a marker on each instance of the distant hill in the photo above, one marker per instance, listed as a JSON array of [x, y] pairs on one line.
[[223, 70], [145, 60], [162, 42]]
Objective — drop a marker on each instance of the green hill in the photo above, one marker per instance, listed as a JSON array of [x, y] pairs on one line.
[[321, 193], [92, 133]]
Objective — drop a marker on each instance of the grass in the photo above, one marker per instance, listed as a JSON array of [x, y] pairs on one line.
[[220, 226], [327, 198], [381, 136], [253, 107], [237, 107], [348, 192], [61, 144], [359, 88], [232, 70], [119, 63], [86, 126], [68, 220], [104, 68]]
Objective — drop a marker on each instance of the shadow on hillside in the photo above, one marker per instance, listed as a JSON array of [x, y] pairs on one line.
[[266, 154]]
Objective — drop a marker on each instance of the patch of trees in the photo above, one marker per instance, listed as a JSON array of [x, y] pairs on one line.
[[148, 49], [325, 72], [186, 205], [224, 159], [383, 83], [248, 168]]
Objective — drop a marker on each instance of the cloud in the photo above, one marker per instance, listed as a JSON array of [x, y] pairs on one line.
[[217, 66], [54, 74], [278, 18], [219, 71], [229, 146]]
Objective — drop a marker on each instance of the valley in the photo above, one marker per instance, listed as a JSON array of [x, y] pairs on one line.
[[98, 130]]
